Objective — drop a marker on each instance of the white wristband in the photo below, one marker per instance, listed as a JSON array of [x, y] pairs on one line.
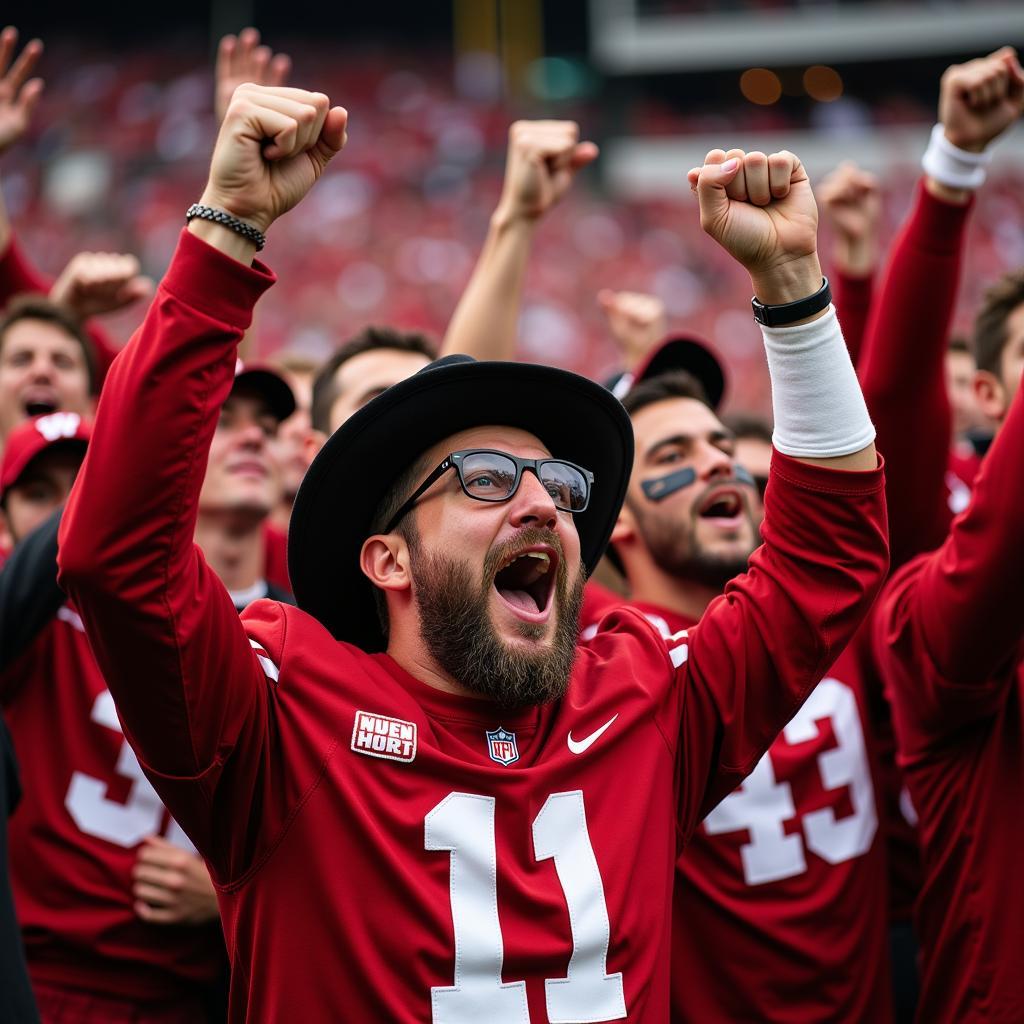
[[819, 409], [952, 166]]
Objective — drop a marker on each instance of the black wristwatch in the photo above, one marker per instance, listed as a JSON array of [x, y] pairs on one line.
[[789, 312]]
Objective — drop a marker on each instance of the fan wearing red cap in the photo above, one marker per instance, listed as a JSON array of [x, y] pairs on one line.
[[90, 827]]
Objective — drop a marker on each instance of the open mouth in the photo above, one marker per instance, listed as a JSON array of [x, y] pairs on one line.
[[526, 582], [39, 407], [724, 504]]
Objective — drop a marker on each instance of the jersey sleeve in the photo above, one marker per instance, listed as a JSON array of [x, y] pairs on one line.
[[189, 687], [948, 628], [765, 643], [902, 370], [852, 297]]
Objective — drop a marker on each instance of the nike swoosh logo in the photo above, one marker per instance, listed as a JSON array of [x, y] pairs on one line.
[[579, 746]]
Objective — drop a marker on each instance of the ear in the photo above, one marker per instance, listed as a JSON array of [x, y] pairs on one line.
[[990, 394], [312, 443], [625, 526], [384, 560]]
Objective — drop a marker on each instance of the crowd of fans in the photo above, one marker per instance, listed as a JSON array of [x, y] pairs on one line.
[[843, 860], [132, 134]]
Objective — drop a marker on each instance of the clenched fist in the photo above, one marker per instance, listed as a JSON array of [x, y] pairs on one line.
[[273, 145], [761, 210], [979, 100], [100, 282], [851, 201], [543, 158]]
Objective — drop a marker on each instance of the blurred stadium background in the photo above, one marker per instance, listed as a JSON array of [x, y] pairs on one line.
[[120, 144]]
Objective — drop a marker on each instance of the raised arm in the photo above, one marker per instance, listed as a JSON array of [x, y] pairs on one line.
[[903, 363], [950, 623], [851, 201], [19, 94], [543, 158], [762, 646], [188, 685]]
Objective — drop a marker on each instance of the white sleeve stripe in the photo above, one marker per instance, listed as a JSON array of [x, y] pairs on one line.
[[269, 668]]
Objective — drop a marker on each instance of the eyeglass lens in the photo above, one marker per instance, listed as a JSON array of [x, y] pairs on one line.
[[490, 476]]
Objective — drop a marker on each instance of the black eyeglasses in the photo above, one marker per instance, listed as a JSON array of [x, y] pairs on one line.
[[489, 475]]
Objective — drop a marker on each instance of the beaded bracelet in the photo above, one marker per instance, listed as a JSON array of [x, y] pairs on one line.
[[254, 235]]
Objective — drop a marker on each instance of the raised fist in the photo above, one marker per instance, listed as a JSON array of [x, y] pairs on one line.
[[273, 145], [19, 94], [851, 202], [761, 210], [242, 59], [99, 282], [979, 100], [543, 158], [636, 321]]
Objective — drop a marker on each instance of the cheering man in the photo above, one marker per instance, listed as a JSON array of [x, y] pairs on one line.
[[418, 799]]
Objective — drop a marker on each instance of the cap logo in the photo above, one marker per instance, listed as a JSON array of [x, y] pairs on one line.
[[57, 425]]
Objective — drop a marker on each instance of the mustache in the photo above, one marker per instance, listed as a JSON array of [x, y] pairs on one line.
[[527, 537]]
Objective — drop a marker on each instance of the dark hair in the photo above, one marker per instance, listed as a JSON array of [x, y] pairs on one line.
[[958, 343], [743, 425], [672, 384], [990, 324], [37, 307], [369, 339]]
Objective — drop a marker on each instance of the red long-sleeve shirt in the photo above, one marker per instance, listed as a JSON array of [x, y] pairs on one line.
[[852, 297], [386, 850], [949, 637], [902, 371], [779, 910]]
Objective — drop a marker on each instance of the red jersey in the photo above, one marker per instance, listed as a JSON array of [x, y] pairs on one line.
[[386, 851], [275, 548], [949, 637], [73, 842], [779, 908]]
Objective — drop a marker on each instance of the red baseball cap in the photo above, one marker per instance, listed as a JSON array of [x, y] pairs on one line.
[[268, 383], [33, 437]]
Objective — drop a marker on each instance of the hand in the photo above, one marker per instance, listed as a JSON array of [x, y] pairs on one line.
[[979, 100], [761, 210], [171, 885], [19, 94], [241, 59], [543, 158], [99, 282], [852, 202], [273, 145], [636, 321]]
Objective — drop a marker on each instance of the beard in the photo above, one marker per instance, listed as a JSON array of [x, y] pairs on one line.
[[456, 626], [676, 548]]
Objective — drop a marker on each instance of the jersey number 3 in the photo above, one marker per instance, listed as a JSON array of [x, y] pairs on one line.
[[139, 816], [463, 825], [761, 805]]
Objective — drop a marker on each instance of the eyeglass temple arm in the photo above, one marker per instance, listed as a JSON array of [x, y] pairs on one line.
[[411, 500]]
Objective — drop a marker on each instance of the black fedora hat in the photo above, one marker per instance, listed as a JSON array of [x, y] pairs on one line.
[[576, 419]]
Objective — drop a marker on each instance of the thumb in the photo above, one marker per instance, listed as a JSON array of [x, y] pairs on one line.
[[583, 154], [332, 139], [710, 188]]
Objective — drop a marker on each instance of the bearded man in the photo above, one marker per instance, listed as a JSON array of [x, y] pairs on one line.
[[429, 805]]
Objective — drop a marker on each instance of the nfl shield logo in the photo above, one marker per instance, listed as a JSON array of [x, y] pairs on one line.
[[501, 745]]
